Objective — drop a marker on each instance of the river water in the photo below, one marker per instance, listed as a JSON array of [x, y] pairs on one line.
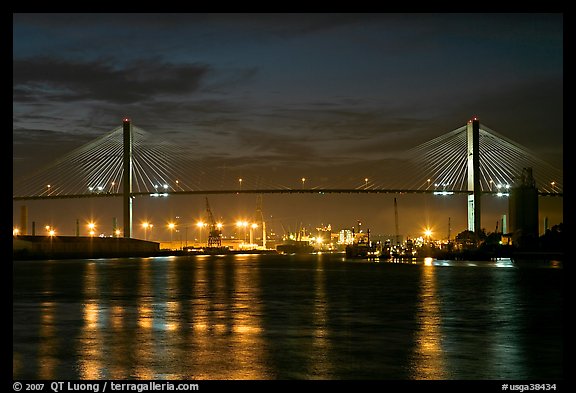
[[271, 317]]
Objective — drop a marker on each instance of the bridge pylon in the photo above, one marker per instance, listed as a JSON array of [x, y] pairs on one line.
[[127, 174], [475, 192]]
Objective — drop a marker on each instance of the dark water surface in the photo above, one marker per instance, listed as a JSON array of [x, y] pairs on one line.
[[286, 317]]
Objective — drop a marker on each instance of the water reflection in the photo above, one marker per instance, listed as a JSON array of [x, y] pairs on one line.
[[249, 317], [90, 341], [47, 352], [320, 362], [48, 348], [248, 348], [428, 361]]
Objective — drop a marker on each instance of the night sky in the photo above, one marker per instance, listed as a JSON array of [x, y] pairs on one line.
[[293, 90]]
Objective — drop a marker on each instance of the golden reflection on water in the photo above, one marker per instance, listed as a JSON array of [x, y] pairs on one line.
[[320, 342], [90, 339], [227, 322], [47, 358], [144, 351], [248, 353], [428, 360]]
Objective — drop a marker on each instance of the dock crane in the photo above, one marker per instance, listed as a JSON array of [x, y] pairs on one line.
[[215, 232]]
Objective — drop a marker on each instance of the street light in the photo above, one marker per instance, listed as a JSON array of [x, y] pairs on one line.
[[365, 182], [303, 180], [146, 225], [242, 224], [91, 227], [428, 233], [200, 225], [252, 227], [171, 227], [15, 232], [240, 183]]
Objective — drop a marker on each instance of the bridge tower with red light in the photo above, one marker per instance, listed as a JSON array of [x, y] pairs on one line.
[[474, 189], [127, 177]]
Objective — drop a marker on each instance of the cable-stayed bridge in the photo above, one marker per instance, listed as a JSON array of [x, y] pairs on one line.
[[472, 159]]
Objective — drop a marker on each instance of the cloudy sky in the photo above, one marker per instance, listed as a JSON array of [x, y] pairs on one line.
[[289, 89]]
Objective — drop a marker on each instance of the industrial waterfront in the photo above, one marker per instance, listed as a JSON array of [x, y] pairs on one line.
[[309, 316]]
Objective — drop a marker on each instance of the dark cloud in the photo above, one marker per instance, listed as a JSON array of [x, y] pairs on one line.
[[58, 79]]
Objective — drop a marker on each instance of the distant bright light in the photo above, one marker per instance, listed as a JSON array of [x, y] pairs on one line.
[[15, 231]]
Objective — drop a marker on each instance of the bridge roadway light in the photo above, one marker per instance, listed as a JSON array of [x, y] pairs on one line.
[[303, 180]]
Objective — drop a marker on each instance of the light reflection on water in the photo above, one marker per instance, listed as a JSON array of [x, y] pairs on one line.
[[428, 356], [286, 317]]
